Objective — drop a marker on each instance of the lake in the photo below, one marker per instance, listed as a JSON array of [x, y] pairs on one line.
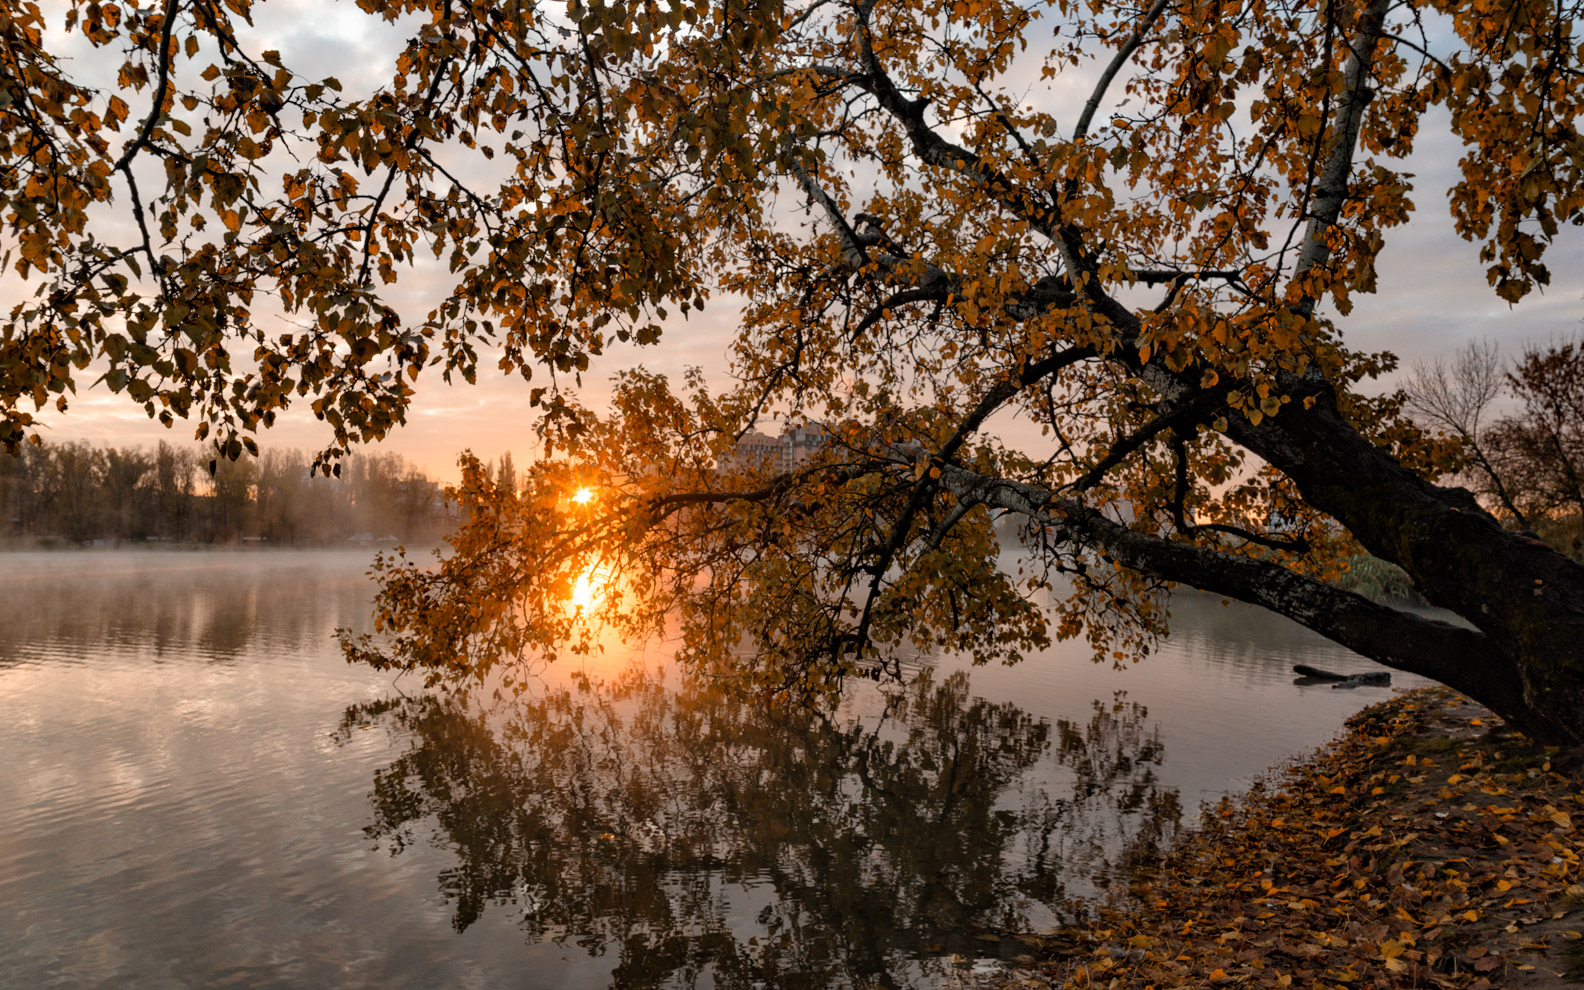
[[198, 791]]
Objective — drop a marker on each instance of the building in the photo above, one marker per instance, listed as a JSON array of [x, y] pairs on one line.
[[758, 451]]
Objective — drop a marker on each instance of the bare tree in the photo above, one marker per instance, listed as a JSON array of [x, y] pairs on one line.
[[1456, 397], [1529, 464]]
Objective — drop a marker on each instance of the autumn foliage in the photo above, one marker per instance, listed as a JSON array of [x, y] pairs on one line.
[[1425, 848], [1140, 227]]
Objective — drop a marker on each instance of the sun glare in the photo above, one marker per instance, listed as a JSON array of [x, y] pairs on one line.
[[584, 496], [588, 590]]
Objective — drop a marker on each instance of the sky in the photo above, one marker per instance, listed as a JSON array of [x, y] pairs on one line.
[[1433, 293]]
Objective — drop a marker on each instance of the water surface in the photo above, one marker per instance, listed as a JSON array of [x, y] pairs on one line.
[[199, 792]]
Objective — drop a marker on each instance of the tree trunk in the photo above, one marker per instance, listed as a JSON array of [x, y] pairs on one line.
[[1524, 658], [1527, 598]]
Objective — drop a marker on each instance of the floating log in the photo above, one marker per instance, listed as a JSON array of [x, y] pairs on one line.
[[1374, 679], [1381, 679]]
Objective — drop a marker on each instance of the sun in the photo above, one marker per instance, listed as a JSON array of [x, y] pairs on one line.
[[584, 496]]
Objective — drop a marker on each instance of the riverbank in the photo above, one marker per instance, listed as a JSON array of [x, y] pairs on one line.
[[1429, 846]]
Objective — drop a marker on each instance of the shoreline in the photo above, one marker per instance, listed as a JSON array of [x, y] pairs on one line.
[[1427, 846]]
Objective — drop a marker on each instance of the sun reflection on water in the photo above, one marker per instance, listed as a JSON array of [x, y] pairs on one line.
[[589, 590]]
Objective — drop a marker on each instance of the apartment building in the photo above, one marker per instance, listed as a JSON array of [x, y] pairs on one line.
[[793, 447]]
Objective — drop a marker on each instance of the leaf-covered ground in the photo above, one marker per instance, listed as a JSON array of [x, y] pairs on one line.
[[1428, 847]]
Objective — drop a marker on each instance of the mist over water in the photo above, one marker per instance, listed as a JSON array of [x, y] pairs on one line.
[[198, 791]]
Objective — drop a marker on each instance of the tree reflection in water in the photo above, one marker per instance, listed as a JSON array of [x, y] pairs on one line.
[[686, 831]]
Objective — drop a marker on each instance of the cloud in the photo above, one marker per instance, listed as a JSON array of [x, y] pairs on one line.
[[1434, 294]]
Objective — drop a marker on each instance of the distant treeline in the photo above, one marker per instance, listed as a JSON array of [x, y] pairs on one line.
[[79, 493]]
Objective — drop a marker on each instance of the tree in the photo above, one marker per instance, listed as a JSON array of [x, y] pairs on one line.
[[1542, 449], [125, 492], [1528, 465], [1456, 399], [175, 484], [283, 488], [233, 486], [506, 473], [75, 487], [928, 232]]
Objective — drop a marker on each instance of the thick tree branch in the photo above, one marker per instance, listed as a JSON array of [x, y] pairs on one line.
[[854, 250], [1332, 190], [1120, 59], [1183, 485], [997, 397], [935, 150], [1461, 657], [1192, 410], [933, 283], [161, 91], [902, 297], [1159, 276], [861, 247]]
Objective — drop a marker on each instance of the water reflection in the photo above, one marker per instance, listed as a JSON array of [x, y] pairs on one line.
[[1247, 639], [665, 824]]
